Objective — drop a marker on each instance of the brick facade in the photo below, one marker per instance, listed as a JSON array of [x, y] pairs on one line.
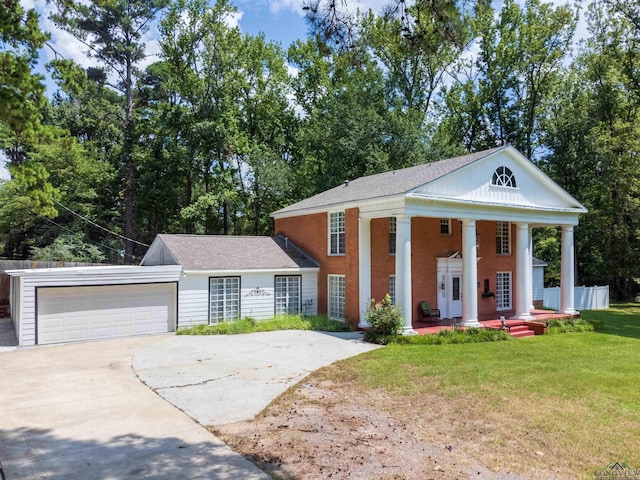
[[310, 232]]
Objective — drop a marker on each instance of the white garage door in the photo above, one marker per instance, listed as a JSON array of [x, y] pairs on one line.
[[69, 314]]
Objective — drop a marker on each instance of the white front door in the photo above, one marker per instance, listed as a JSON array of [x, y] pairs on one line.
[[455, 296]]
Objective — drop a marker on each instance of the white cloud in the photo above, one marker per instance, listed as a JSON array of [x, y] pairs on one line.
[[233, 20], [292, 70]]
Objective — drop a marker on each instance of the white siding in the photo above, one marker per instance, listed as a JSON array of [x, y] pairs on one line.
[[310, 293], [256, 294], [16, 305], [538, 283], [25, 317], [193, 300], [473, 183]]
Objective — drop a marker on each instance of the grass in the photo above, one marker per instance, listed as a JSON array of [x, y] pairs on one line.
[[577, 395], [282, 322]]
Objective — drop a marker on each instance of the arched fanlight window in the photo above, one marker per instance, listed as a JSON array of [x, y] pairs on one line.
[[503, 177]]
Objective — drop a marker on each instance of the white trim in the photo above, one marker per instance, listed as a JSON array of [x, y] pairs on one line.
[[338, 232], [501, 228], [509, 307], [128, 271], [344, 295]]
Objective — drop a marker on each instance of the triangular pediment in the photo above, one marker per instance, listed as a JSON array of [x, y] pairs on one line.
[[476, 183]]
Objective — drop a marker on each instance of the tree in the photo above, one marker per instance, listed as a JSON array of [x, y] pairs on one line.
[[503, 97], [595, 153], [269, 124], [343, 132], [113, 30], [202, 54], [21, 91]]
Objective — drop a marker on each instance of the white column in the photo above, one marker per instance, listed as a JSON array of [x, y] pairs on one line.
[[469, 275], [523, 273], [364, 268], [530, 270], [567, 280], [403, 271]]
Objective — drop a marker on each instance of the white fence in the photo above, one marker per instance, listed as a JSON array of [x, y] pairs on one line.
[[585, 298]]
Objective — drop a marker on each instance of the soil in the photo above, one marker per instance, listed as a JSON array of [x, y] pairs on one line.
[[323, 429]]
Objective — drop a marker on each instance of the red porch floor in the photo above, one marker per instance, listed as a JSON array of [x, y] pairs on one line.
[[447, 323]]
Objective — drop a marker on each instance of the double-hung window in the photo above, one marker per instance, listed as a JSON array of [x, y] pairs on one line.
[[503, 238], [224, 299], [445, 226], [336, 297], [503, 291], [287, 291], [336, 233]]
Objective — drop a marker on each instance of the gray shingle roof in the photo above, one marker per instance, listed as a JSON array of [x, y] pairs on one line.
[[224, 252], [386, 184], [536, 262]]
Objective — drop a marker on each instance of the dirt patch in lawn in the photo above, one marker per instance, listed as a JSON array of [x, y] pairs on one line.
[[326, 429]]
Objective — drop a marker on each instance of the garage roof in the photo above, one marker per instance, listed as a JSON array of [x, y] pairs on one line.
[[225, 252]]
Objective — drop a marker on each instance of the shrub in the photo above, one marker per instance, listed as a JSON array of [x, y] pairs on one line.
[[385, 319], [469, 335], [570, 324], [281, 322]]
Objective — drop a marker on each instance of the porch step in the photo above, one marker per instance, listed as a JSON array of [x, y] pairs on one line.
[[520, 331]]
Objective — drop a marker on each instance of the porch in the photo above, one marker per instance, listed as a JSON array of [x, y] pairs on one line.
[[422, 328]]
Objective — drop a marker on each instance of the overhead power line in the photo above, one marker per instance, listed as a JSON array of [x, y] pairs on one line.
[[92, 241], [100, 226]]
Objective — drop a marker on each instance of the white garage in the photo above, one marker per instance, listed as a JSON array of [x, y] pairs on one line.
[[89, 303]]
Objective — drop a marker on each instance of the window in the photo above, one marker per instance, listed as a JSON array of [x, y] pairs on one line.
[[445, 226], [287, 295], [224, 299], [336, 297], [456, 292], [392, 235], [503, 177], [503, 290], [392, 288], [503, 238], [336, 233]]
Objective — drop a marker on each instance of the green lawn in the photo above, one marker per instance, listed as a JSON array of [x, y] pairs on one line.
[[578, 393]]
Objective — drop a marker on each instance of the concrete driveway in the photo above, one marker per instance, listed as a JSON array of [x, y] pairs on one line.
[[78, 411], [229, 378]]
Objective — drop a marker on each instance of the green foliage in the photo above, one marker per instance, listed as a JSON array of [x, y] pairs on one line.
[[570, 324], [443, 337], [69, 248], [385, 319], [21, 91], [282, 322]]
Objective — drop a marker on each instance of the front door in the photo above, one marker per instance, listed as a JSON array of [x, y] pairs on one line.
[[456, 296]]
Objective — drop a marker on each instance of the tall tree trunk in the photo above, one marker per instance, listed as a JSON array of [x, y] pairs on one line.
[[129, 167], [188, 226]]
